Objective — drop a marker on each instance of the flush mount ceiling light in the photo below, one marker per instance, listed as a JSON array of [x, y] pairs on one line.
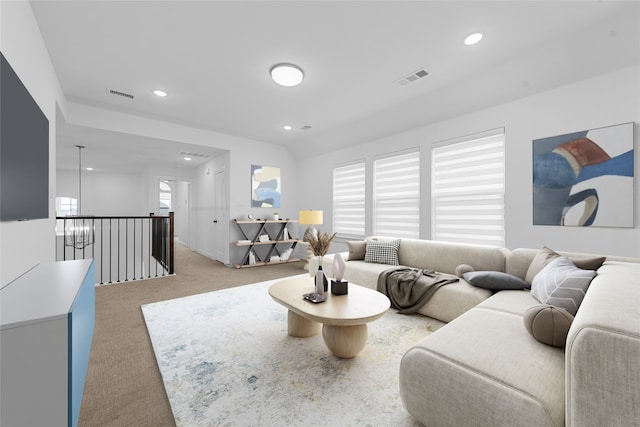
[[287, 74], [187, 158], [160, 93], [472, 39], [287, 127]]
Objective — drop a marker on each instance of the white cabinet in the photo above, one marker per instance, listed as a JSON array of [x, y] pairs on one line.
[[47, 319]]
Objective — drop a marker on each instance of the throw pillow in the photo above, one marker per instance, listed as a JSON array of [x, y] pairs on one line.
[[382, 251], [587, 263], [463, 268], [356, 250], [495, 280], [546, 255], [548, 324], [562, 284]]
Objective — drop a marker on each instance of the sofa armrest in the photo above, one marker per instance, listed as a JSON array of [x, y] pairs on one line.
[[603, 350]]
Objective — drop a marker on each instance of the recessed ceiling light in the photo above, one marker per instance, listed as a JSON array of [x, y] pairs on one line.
[[187, 158], [287, 74], [473, 38], [160, 93], [89, 169], [287, 127]]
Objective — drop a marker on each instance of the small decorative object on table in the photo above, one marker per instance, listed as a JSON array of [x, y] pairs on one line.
[[339, 286], [319, 244], [276, 216]]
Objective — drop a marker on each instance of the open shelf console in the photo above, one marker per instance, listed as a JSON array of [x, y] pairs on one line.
[[270, 235]]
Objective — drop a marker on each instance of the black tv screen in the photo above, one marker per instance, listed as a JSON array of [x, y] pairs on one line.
[[24, 151]]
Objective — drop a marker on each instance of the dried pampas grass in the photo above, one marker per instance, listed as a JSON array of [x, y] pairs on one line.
[[319, 244]]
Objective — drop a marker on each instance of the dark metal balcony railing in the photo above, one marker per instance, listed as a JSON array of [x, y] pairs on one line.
[[124, 248]]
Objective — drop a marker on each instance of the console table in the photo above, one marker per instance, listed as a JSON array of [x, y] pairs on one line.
[[274, 230], [47, 319]]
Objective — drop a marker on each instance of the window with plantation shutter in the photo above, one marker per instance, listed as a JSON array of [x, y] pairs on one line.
[[348, 201], [396, 196], [468, 190]]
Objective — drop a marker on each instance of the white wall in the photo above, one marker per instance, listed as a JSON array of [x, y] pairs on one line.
[[104, 194], [602, 101], [25, 244]]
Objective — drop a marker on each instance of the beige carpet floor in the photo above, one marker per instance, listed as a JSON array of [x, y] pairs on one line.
[[124, 386]]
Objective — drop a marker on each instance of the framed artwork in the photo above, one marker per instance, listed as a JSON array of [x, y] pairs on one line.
[[584, 178], [265, 186]]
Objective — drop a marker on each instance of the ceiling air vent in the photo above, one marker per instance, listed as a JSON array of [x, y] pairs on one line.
[[412, 77], [119, 93]]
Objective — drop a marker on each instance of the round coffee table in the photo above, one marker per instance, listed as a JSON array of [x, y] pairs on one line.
[[343, 318]]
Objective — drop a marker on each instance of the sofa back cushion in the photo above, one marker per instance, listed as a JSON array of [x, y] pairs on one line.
[[444, 257]]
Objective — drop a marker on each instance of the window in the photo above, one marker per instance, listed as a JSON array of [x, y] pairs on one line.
[[66, 206], [396, 196], [348, 200], [468, 190], [165, 198]]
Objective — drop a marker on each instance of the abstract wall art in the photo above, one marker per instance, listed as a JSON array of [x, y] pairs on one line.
[[265, 187], [584, 178]]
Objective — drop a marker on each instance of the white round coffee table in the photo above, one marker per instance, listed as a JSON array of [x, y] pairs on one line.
[[343, 318]]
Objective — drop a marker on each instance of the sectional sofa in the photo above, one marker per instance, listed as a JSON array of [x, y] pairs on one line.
[[490, 365]]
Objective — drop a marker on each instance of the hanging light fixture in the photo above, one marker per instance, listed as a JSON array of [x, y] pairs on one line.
[[79, 231]]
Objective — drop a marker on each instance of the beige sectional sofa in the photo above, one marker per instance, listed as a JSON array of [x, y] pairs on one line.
[[484, 369]]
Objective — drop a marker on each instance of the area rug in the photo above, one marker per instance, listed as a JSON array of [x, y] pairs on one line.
[[226, 360]]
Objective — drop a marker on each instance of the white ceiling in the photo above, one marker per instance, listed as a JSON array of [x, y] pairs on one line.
[[213, 58]]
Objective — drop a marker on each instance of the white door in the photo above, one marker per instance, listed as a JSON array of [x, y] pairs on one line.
[[221, 224]]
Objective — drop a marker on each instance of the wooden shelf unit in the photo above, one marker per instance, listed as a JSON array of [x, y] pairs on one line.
[[260, 226]]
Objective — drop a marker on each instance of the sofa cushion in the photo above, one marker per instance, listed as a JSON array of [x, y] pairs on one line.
[[548, 324], [382, 252], [545, 255], [562, 284], [495, 280], [357, 250]]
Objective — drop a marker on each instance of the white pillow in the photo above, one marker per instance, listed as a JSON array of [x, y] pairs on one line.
[[560, 283]]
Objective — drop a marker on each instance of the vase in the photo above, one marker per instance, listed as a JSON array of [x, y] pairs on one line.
[[321, 282]]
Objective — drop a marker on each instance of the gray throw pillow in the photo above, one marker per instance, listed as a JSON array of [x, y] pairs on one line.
[[382, 251], [548, 324], [357, 250], [495, 280], [562, 284]]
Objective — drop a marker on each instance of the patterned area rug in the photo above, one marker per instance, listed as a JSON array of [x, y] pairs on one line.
[[226, 360]]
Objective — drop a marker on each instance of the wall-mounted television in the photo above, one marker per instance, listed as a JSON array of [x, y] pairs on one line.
[[24, 151]]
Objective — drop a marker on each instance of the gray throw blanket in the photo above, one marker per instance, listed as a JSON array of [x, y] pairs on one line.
[[410, 288]]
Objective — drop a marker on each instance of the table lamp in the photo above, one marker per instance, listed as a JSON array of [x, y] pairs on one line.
[[310, 218]]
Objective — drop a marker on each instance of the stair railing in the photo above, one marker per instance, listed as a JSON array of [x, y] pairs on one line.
[[124, 247]]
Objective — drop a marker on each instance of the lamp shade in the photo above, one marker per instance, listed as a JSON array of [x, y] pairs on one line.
[[311, 217]]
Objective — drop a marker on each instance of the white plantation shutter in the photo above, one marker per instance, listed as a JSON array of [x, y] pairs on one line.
[[348, 201], [396, 196], [468, 191]]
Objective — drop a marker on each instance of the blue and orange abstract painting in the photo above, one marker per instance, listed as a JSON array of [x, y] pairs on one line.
[[584, 178]]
